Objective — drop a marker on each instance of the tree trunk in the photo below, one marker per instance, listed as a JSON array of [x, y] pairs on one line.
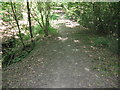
[[29, 19], [47, 18], [15, 17]]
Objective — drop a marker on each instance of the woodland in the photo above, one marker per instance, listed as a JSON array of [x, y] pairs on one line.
[[24, 25]]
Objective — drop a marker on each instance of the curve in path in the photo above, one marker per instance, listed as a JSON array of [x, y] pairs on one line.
[[56, 63]]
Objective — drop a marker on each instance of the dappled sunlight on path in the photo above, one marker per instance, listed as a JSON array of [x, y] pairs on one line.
[[66, 22], [57, 63]]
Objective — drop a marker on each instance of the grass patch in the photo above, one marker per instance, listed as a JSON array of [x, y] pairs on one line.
[[39, 30]]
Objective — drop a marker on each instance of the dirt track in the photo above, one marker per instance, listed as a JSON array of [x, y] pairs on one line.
[[58, 62]]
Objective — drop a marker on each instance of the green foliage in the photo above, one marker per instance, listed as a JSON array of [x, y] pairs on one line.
[[105, 42], [26, 37], [6, 19], [20, 57], [113, 45], [52, 31], [100, 42], [54, 16], [103, 19], [39, 30], [14, 55], [81, 12], [7, 58], [99, 16]]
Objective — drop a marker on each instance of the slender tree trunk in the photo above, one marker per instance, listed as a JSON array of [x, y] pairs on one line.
[[15, 17], [47, 18], [29, 19], [42, 18], [44, 13], [37, 20], [46, 26]]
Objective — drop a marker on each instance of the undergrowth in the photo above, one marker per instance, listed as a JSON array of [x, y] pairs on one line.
[[39, 30], [13, 51], [16, 54]]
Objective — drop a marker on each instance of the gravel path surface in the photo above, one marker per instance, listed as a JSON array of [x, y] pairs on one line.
[[58, 62]]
